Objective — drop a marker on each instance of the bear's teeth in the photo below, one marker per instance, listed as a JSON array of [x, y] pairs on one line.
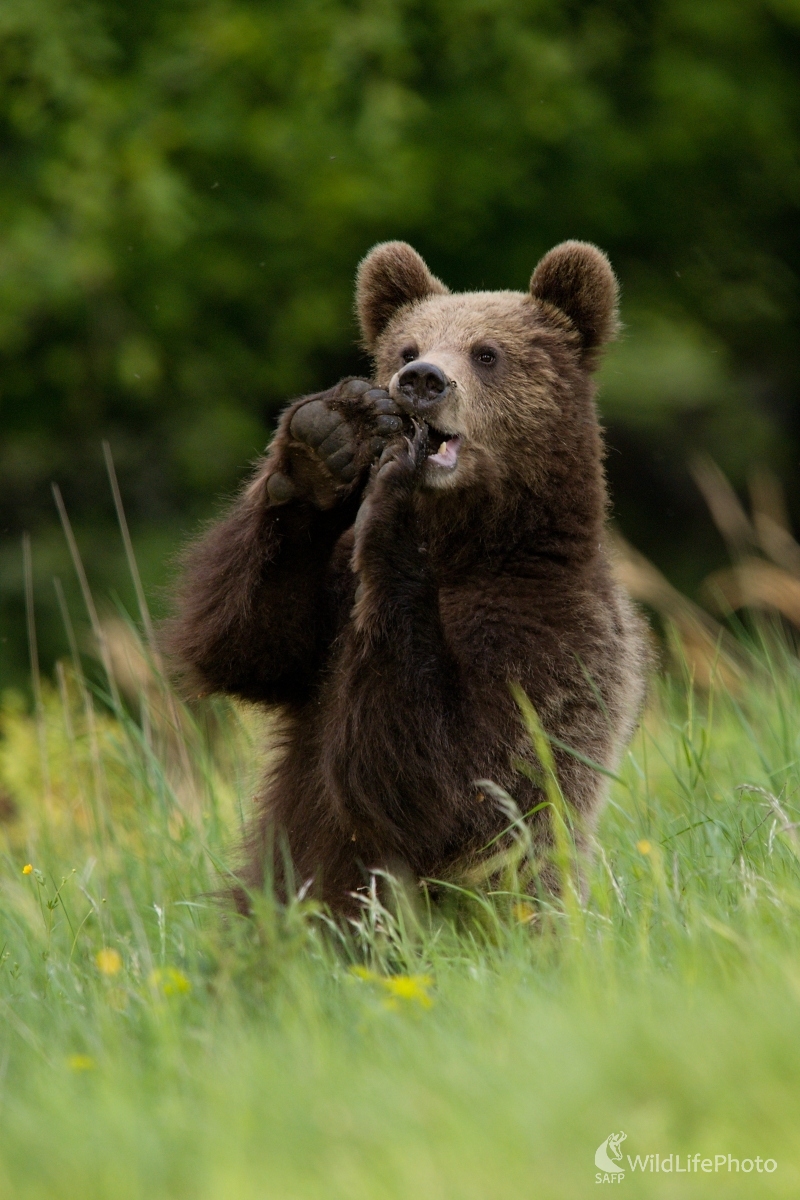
[[442, 449]]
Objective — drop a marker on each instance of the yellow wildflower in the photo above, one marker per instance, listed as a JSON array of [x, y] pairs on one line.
[[411, 989], [26, 870], [644, 846], [109, 962], [365, 974], [170, 982], [80, 1062]]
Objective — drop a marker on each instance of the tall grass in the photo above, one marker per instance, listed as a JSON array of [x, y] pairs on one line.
[[154, 1044]]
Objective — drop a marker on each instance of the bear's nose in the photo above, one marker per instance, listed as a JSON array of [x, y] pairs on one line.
[[419, 385]]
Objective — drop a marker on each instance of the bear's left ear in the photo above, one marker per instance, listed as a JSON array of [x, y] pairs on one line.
[[391, 275], [577, 279]]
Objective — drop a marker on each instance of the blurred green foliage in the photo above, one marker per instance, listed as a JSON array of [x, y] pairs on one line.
[[188, 185]]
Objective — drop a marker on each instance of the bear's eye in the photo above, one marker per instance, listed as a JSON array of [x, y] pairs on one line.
[[485, 355], [409, 354]]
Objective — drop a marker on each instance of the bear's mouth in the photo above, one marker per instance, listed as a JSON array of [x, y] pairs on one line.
[[448, 445]]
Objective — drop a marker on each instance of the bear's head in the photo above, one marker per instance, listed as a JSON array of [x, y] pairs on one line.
[[502, 379]]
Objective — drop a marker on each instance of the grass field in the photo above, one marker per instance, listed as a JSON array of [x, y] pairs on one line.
[[154, 1045]]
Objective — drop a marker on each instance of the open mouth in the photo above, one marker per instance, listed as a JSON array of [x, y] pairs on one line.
[[448, 445]]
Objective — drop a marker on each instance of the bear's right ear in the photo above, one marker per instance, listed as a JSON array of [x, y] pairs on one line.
[[390, 276], [577, 279]]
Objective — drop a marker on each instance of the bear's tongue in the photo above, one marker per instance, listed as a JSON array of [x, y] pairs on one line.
[[447, 454]]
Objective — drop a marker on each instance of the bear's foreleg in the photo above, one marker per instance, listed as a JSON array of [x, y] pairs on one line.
[[400, 767], [256, 607]]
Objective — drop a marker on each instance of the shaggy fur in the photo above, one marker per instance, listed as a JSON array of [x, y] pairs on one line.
[[387, 613]]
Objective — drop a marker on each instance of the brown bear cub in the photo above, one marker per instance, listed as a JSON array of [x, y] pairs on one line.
[[408, 549]]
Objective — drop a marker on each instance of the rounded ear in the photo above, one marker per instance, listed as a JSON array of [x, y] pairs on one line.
[[577, 279], [391, 275]]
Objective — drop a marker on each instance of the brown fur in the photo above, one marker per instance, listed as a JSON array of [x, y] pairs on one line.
[[389, 625], [386, 282]]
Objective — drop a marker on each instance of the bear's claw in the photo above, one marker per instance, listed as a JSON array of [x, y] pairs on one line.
[[404, 457]]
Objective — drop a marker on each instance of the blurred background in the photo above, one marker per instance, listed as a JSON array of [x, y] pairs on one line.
[[187, 187]]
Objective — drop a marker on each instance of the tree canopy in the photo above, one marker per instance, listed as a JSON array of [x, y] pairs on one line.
[[187, 187]]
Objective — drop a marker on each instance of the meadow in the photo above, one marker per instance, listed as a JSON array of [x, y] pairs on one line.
[[154, 1044], [187, 190]]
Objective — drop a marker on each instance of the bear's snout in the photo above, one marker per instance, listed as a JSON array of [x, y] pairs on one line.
[[419, 386]]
